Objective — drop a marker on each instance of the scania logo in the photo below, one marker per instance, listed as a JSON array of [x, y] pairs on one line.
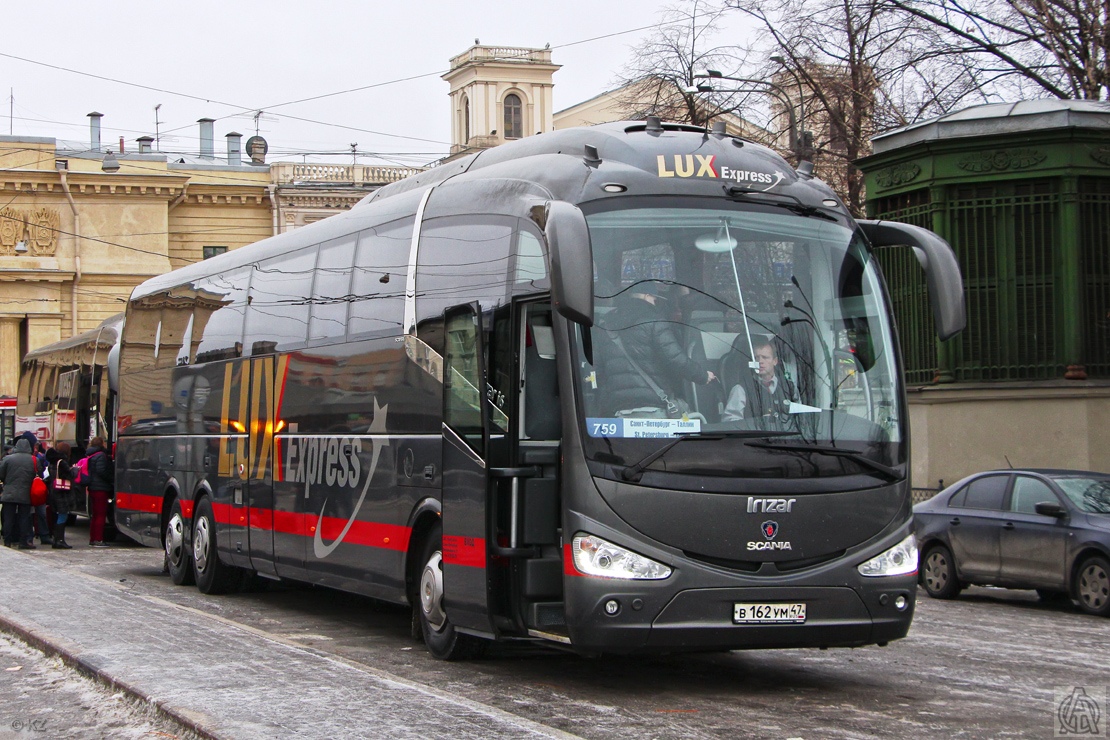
[[770, 529]]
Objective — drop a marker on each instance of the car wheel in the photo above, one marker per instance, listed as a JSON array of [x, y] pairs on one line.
[[212, 575], [178, 563], [1093, 586], [938, 573], [440, 636]]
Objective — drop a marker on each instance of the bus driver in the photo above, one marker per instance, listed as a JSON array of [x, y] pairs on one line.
[[767, 393]]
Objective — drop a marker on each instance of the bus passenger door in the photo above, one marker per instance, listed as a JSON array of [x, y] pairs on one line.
[[465, 471]]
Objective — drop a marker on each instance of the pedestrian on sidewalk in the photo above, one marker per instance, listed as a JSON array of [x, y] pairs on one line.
[[17, 470], [41, 520], [101, 483], [63, 496]]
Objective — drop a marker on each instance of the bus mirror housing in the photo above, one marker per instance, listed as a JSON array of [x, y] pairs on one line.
[[942, 271], [568, 242]]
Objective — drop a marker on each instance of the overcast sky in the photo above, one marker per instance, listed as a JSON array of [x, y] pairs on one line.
[[217, 59]]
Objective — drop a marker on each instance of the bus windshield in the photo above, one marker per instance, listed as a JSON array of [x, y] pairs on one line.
[[763, 328]]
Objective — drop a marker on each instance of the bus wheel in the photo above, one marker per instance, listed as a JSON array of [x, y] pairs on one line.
[[178, 563], [440, 636], [938, 573], [1093, 587], [212, 576]]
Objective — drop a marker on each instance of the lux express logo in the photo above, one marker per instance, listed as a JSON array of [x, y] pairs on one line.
[[705, 165]]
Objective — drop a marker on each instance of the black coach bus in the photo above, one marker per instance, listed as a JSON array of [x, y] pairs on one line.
[[426, 400]]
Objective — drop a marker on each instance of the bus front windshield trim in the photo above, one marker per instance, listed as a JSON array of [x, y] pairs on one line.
[[717, 318]]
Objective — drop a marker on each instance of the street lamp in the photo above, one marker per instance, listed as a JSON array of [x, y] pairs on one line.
[[797, 145]]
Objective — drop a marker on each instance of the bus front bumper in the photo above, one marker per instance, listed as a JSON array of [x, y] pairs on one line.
[[698, 619]]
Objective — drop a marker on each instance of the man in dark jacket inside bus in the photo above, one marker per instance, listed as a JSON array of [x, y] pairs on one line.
[[17, 470], [648, 347]]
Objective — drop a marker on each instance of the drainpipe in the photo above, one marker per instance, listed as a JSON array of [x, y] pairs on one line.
[[272, 190], [62, 168]]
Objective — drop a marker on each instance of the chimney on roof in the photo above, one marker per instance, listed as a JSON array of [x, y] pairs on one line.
[[234, 153], [94, 131], [207, 145], [144, 144]]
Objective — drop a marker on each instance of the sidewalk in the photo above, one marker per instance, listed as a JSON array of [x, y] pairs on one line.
[[224, 680]]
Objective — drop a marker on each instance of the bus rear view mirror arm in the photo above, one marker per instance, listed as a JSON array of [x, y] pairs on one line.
[[942, 271], [568, 240]]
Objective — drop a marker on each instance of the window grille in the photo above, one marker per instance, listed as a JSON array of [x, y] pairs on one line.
[[1094, 260], [1004, 235]]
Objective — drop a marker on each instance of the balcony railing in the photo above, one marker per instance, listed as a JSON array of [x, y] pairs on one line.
[[359, 174], [501, 54]]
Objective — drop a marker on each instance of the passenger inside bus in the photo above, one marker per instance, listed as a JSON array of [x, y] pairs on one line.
[[647, 362], [762, 393]]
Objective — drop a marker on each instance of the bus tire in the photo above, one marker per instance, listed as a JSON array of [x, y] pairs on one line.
[[212, 575], [179, 564], [938, 573], [440, 636]]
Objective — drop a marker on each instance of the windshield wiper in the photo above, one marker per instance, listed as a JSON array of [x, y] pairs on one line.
[[783, 200], [856, 457], [635, 472]]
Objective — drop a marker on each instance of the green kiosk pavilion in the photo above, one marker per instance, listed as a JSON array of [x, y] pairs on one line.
[[1022, 193]]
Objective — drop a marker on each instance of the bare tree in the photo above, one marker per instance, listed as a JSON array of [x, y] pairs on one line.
[[856, 68], [1056, 47], [659, 79]]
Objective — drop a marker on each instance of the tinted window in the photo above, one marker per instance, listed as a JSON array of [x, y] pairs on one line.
[[378, 278], [530, 264], [986, 493], [1028, 492], [280, 294], [331, 291], [218, 315], [463, 259]]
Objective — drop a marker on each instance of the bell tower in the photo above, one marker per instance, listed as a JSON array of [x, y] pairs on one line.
[[499, 93]]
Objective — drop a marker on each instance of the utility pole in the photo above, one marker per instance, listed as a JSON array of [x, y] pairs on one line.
[[157, 138]]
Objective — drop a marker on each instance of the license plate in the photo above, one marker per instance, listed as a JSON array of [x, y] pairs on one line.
[[768, 613]]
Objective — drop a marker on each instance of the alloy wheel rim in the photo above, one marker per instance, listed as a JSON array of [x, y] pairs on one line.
[[431, 592], [1094, 586], [201, 541], [936, 572], [175, 540]]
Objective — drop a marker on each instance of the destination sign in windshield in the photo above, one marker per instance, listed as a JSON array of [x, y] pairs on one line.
[[637, 428]]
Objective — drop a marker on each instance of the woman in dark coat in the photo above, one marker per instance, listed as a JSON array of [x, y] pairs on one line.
[[16, 472], [63, 496], [100, 485]]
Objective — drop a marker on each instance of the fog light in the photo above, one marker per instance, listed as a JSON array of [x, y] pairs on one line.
[[612, 606], [900, 603]]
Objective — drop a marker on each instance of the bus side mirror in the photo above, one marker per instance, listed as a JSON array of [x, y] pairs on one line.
[[942, 271], [568, 241]]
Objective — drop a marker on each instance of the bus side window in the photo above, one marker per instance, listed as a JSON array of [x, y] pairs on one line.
[[378, 279], [221, 306], [280, 292], [332, 288]]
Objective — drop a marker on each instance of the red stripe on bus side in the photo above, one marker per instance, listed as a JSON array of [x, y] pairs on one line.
[[187, 509], [469, 551], [138, 502]]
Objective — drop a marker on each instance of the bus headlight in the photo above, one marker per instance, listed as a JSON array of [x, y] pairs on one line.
[[900, 560], [597, 557]]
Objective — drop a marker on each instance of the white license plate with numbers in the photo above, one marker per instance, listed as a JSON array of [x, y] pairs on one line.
[[768, 613]]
